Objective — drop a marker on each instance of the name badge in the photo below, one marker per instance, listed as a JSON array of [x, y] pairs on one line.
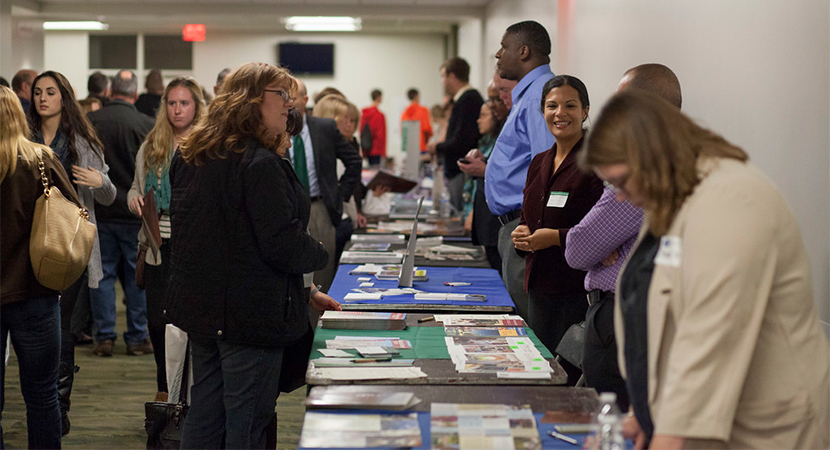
[[557, 199], [670, 252]]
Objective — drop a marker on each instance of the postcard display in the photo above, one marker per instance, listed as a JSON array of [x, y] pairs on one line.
[[482, 426], [492, 343]]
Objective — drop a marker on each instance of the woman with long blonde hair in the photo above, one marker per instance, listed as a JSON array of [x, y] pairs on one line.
[[57, 121], [29, 311], [240, 249], [182, 106]]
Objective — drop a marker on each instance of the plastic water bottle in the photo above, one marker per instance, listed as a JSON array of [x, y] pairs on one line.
[[445, 209], [608, 425]]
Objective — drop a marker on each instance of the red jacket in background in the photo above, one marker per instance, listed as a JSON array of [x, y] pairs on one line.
[[417, 112], [377, 124]]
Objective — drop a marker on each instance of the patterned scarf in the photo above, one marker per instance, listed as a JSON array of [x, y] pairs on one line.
[[162, 184]]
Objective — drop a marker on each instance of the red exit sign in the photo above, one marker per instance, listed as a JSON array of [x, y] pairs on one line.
[[194, 32]]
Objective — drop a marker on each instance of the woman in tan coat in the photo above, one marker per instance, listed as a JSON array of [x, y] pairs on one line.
[[716, 324]]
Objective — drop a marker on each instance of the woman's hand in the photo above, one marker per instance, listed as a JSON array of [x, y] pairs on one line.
[[380, 190], [322, 302], [539, 240], [87, 177], [135, 204], [664, 442], [632, 430], [361, 221]]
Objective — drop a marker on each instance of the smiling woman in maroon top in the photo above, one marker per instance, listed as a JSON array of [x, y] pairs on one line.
[[556, 197]]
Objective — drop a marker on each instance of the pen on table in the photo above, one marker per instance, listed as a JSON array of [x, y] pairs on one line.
[[562, 437], [371, 360], [426, 319]]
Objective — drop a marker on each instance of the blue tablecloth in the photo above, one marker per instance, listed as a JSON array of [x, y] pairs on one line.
[[484, 281], [548, 442]]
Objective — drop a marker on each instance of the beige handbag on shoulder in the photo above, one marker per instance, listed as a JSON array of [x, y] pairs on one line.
[[62, 237]]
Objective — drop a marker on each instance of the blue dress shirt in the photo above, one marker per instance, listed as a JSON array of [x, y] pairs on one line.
[[525, 134]]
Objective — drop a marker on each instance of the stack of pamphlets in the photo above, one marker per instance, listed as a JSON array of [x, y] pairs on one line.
[[328, 430], [355, 257], [343, 342], [370, 247], [480, 320], [393, 274], [496, 354], [354, 398], [388, 238], [358, 320], [482, 427]]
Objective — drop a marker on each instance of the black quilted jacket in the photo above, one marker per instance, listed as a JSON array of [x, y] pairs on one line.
[[239, 249]]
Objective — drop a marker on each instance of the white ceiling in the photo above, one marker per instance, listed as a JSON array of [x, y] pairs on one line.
[[379, 16]]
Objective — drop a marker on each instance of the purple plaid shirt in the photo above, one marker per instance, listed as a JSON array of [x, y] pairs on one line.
[[608, 226]]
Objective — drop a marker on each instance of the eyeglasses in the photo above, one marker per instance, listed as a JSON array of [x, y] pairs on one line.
[[495, 100], [618, 186], [284, 94]]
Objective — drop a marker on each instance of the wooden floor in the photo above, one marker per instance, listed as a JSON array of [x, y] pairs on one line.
[[108, 402]]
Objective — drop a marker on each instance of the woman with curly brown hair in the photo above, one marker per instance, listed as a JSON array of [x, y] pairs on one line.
[[239, 217]]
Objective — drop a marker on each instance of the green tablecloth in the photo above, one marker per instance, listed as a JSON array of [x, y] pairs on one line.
[[427, 342]]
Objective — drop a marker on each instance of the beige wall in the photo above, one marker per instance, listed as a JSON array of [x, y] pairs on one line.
[[755, 71]]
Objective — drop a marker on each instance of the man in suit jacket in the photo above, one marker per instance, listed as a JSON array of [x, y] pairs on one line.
[[121, 128], [462, 129], [316, 167]]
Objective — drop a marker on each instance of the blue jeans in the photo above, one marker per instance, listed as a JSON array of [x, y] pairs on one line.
[[119, 244], [35, 328], [234, 393]]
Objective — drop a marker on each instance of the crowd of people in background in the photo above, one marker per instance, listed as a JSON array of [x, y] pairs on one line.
[[678, 261]]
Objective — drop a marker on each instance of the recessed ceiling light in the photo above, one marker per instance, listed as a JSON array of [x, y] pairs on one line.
[[323, 23], [76, 25]]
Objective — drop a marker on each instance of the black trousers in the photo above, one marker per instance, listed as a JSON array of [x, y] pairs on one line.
[[156, 279], [599, 359], [550, 316]]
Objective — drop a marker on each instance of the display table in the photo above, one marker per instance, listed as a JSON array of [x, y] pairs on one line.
[[484, 281], [578, 401], [429, 350]]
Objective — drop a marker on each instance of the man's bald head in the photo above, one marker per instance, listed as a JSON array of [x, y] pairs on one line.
[[300, 96], [656, 79]]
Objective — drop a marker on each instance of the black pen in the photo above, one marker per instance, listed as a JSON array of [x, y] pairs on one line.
[[371, 360], [562, 437]]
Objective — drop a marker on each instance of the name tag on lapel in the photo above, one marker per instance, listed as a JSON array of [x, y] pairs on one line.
[[670, 253], [557, 199]]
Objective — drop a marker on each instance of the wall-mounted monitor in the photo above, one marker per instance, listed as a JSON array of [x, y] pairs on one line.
[[307, 59]]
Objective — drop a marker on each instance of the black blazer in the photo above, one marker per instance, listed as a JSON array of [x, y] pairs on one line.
[[122, 129], [240, 248], [329, 146], [462, 131]]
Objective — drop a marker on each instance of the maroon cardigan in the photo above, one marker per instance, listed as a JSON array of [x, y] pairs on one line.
[[546, 270]]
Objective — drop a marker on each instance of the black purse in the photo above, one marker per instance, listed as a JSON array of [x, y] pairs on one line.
[[164, 421], [295, 362]]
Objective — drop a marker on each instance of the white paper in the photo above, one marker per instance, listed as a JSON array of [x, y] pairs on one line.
[[335, 353], [352, 296], [373, 373], [364, 279], [374, 350], [524, 375]]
